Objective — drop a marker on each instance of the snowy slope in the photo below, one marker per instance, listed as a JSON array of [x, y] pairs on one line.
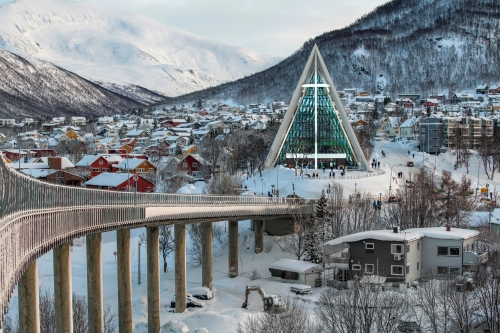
[[120, 47], [38, 89]]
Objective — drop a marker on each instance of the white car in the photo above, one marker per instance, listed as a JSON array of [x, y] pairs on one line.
[[203, 293]]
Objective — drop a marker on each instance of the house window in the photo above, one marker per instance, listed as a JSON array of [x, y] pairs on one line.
[[418, 265], [442, 251], [369, 246], [407, 268], [95, 169], [356, 267], [140, 170], [418, 245], [396, 270], [454, 270], [100, 161], [369, 268], [442, 270], [396, 248], [454, 251], [184, 164], [195, 165], [105, 170]]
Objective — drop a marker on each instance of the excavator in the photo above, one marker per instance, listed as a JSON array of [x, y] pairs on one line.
[[272, 303]]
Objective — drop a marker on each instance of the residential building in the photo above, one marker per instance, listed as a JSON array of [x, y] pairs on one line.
[[78, 121], [409, 128], [195, 166], [120, 182], [7, 122], [97, 164], [296, 272], [431, 135], [401, 257], [136, 165]]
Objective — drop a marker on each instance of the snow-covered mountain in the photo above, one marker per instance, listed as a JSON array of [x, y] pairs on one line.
[[417, 46], [122, 48], [39, 89]]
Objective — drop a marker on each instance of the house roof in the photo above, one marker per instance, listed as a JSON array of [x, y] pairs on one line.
[[441, 233], [87, 160], [129, 163], [134, 133], [112, 179], [294, 265], [383, 235], [409, 122]]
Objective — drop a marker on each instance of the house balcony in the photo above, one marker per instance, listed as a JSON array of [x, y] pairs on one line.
[[471, 258]]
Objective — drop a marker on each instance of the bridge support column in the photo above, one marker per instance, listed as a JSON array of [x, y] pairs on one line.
[[29, 309], [124, 281], [63, 297], [180, 267], [206, 270], [259, 235], [94, 283], [152, 235], [233, 248]]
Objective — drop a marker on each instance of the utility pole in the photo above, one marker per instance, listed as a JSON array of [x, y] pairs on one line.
[[139, 262]]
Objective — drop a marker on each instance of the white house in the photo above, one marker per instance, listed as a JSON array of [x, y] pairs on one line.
[[296, 271]]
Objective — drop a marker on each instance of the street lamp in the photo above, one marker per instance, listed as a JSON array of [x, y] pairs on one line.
[[262, 182], [390, 179]]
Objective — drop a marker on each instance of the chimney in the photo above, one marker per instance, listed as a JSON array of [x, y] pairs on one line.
[[55, 163], [395, 230], [448, 228]]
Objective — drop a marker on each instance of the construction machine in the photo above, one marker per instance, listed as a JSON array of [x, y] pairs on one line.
[[272, 303]]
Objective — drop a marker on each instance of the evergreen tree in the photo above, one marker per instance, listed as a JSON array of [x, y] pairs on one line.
[[315, 236]]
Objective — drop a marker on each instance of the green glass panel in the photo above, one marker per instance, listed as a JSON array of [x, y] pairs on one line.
[[331, 136]]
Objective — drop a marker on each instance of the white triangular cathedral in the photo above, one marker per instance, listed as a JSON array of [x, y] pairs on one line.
[[315, 130]]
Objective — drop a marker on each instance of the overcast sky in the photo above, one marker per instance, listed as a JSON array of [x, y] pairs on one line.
[[275, 27]]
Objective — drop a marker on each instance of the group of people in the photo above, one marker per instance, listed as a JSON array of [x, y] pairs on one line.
[[375, 164], [377, 204], [400, 174]]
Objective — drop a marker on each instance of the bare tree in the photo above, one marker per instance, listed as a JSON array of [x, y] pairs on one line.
[[80, 314], [487, 278], [195, 251], [295, 242], [47, 311], [167, 244]]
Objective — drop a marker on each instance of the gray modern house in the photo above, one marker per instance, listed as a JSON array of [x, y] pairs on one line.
[[431, 135], [401, 257]]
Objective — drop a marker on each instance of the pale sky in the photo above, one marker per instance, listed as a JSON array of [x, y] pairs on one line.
[[275, 27]]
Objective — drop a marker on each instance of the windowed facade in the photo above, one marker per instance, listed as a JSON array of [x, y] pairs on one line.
[[396, 248], [330, 142], [448, 251], [369, 268], [396, 270]]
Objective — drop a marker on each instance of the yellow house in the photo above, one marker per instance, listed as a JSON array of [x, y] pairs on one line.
[[188, 150], [72, 135]]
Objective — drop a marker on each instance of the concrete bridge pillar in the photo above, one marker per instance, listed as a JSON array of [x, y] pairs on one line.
[[63, 295], [29, 308], [259, 235], [94, 283], [152, 235], [233, 248], [124, 281], [180, 267], [206, 275]]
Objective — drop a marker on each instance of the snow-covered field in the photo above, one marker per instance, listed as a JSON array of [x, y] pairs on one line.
[[224, 312]]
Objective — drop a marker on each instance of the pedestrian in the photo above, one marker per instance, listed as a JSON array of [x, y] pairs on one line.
[[374, 204], [413, 155], [324, 169], [378, 164], [408, 152], [333, 174], [372, 165], [330, 175]]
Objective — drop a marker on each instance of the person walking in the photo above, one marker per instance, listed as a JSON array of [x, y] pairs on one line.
[[378, 164], [413, 155]]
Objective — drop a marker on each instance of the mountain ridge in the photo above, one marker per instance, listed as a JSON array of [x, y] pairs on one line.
[[401, 46]]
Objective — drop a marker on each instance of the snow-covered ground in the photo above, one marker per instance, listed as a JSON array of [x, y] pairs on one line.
[[224, 312]]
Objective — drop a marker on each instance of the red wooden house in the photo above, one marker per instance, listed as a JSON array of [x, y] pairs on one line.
[[431, 102], [97, 164], [195, 166], [494, 90], [172, 123], [120, 182]]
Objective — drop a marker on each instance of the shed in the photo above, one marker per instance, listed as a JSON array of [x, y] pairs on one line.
[[296, 271]]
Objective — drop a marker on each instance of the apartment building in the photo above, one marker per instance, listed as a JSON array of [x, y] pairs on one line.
[[453, 133]]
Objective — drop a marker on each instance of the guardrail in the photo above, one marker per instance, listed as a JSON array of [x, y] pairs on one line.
[[36, 216]]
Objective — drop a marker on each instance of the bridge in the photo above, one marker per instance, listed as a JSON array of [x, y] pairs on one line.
[[36, 217]]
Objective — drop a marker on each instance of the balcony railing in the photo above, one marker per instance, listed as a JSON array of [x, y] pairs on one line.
[[471, 258]]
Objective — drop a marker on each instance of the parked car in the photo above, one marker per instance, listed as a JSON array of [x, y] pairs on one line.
[[301, 289], [392, 199], [191, 302], [410, 184], [202, 293], [410, 163], [408, 325]]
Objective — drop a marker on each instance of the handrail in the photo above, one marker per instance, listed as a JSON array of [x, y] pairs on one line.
[[36, 216]]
